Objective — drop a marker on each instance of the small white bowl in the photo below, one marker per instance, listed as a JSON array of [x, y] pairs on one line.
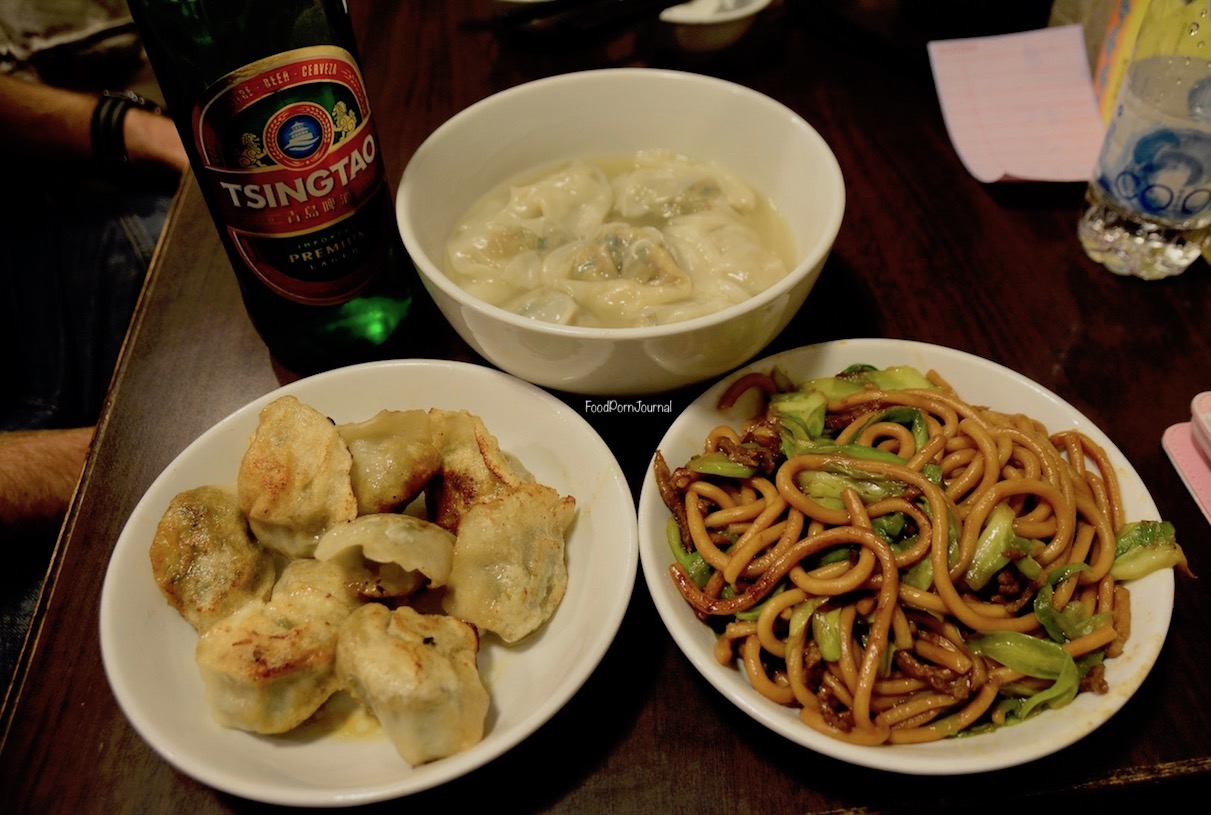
[[703, 26], [609, 112]]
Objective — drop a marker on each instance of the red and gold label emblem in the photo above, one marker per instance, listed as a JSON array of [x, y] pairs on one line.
[[289, 159]]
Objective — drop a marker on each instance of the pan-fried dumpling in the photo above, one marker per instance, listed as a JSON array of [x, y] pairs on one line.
[[417, 673], [389, 555], [204, 559], [264, 674], [269, 666], [311, 589], [393, 458], [509, 571], [473, 467], [294, 480]]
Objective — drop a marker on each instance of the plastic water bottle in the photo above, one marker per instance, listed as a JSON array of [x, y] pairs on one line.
[[1150, 197]]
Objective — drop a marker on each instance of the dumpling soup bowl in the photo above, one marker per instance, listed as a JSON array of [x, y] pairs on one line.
[[607, 113]]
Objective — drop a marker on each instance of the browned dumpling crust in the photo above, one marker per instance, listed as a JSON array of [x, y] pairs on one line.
[[417, 673], [204, 559], [294, 480], [509, 570], [473, 468], [268, 667], [394, 457], [263, 674]]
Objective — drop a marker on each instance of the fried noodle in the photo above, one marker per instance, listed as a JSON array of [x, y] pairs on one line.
[[905, 667]]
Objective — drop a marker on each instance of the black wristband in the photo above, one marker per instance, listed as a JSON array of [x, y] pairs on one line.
[[108, 139]]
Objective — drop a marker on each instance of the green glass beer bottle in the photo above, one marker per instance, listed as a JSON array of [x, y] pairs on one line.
[[269, 100]]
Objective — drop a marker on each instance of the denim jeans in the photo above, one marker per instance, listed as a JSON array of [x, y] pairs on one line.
[[69, 280]]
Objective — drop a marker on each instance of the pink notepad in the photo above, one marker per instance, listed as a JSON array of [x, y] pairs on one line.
[[1020, 106]]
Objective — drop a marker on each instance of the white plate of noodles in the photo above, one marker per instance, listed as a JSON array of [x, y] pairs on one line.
[[148, 647], [978, 382]]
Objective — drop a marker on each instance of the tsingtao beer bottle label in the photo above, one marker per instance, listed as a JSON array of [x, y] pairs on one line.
[[289, 153]]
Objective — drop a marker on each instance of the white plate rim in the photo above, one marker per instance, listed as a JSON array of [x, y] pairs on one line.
[[1001, 749], [611, 489]]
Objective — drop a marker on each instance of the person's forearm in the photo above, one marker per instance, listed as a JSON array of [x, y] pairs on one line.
[[153, 139], [39, 470], [40, 121]]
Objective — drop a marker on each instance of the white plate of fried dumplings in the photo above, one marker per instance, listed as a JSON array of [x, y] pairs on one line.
[[980, 382], [343, 755]]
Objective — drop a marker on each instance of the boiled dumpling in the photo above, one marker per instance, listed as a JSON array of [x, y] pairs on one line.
[[418, 674], [573, 200], [666, 185], [204, 559], [617, 250], [509, 570], [488, 248], [613, 275], [393, 458], [389, 555], [294, 480], [503, 234], [619, 275], [723, 255], [547, 304]]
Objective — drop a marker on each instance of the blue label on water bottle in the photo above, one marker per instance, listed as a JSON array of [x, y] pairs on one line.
[[1164, 175], [1156, 160]]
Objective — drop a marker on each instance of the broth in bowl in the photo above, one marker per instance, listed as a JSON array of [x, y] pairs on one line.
[[647, 238]]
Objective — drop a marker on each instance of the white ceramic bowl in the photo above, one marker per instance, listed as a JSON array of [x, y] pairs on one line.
[[703, 26], [604, 112]]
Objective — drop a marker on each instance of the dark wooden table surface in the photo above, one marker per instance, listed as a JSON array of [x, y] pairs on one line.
[[925, 253]]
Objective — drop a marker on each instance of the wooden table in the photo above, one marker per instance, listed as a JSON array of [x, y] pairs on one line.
[[925, 253]]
